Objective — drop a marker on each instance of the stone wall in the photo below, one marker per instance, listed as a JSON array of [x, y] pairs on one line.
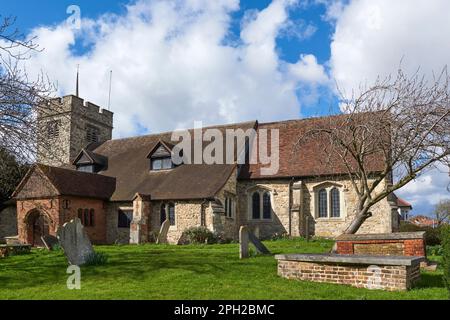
[[73, 115], [114, 234], [187, 214], [284, 222], [280, 197], [8, 222], [227, 227]]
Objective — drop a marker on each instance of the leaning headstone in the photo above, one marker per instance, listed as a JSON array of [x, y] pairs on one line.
[[49, 241], [75, 242], [243, 242], [256, 232], [162, 237], [258, 244]]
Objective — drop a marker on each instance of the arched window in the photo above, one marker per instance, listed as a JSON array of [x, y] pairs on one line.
[[335, 203], [86, 217], [167, 210], [256, 206], [163, 216], [80, 214], [229, 207], [323, 204], [171, 209], [267, 207]]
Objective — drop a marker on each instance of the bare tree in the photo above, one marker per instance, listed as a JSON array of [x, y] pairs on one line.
[[442, 212], [22, 99], [388, 135]]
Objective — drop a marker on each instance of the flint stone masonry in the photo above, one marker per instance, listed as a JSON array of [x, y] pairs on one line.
[[383, 244], [74, 240], [74, 116], [370, 272]]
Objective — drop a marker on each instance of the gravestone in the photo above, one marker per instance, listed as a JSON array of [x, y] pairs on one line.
[[258, 244], [243, 242], [49, 241], [75, 242], [245, 237], [162, 237], [256, 232]]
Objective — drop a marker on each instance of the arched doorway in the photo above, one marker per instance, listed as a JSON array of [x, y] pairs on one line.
[[37, 226]]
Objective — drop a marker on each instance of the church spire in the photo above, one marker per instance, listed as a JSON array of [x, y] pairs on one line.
[[77, 85]]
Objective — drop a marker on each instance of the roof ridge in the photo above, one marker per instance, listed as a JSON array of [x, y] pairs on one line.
[[167, 132]]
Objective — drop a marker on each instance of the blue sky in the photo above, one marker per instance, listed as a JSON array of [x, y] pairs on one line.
[[31, 14], [177, 61]]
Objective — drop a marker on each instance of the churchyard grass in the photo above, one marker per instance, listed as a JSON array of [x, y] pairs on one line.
[[186, 272]]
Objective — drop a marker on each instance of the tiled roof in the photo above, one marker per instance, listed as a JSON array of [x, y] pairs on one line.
[[71, 183], [128, 163], [305, 159]]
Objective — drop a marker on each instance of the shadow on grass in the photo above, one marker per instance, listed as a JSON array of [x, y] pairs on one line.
[[429, 280]]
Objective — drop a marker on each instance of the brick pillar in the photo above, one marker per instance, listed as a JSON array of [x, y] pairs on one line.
[[140, 224]]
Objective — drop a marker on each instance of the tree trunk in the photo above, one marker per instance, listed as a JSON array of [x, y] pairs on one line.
[[357, 222]]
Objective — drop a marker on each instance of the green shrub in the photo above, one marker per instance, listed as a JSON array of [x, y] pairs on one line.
[[432, 235], [96, 259], [445, 236], [279, 236], [434, 250], [199, 235]]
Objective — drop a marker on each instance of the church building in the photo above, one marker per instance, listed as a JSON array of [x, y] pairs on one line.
[[123, 189]]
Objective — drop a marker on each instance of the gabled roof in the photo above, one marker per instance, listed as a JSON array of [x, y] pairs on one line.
[[403, 203], [87, 156], [128, 162], [65, 182], [166, 145]]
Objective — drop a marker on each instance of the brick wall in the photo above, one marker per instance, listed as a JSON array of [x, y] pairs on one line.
[[405, 247], [391, 278], [55, 211]]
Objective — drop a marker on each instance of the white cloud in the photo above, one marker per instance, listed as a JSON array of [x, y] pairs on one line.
[[427, 190], [172, 65], [372, 37]]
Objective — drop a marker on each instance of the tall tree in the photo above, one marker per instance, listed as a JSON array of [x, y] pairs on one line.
[[11, 172], [388, 135], [442, 212]]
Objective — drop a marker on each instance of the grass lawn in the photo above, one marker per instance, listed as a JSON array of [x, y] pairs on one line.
[[185, 272]]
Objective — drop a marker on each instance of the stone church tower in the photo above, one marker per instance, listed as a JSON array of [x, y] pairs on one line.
[[68, 124]]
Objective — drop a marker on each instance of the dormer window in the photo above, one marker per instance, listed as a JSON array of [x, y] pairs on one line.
[[161, 163], [88, 161], [86, 168], [161, 156]]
